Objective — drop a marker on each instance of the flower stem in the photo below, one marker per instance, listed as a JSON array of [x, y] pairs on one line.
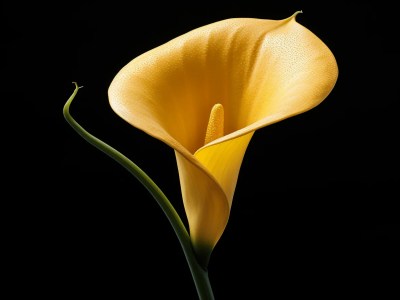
[[200, 275]]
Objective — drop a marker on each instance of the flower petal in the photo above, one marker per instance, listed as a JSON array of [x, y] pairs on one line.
[[223, 161], [260, 71], [208, 198], [206, 207]]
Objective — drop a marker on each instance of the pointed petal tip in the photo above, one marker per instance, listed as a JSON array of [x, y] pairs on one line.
[[295, 14]]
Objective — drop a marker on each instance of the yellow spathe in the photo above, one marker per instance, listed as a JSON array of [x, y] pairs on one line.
[[204, 94]]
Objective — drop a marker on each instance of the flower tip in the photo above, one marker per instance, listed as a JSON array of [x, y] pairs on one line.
[[296, 13], [293, 16]]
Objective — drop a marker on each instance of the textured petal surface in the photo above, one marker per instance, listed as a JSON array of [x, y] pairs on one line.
[[260, 71]]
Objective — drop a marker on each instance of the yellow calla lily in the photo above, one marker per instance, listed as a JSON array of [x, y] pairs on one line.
[[206, 92]]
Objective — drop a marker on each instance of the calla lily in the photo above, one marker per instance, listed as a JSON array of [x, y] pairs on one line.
[[206, 92]]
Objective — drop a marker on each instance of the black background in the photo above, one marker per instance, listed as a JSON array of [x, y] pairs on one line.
[[315, 211]]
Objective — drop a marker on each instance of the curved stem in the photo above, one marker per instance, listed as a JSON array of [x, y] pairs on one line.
[[200, 276]]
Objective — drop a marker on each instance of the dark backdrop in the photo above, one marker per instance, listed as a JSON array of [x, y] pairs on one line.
[[315, 211]]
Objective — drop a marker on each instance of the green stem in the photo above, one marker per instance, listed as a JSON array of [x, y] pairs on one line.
[[200, 276]]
